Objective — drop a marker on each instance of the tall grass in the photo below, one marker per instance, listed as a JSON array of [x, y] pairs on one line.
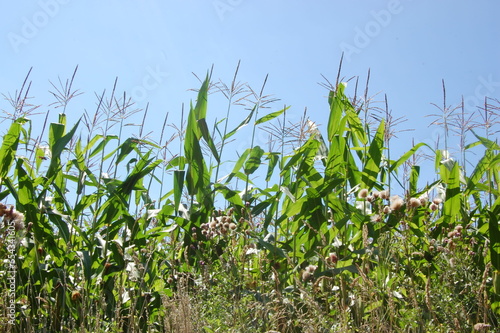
[[323, 231]]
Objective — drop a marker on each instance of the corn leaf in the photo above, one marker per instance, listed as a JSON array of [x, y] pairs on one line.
[[270, 116]]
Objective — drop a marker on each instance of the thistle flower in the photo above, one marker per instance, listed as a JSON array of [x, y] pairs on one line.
[[311, 268], [11, 214], [384, 194], [332, 258], [414, 202], [396, 202], [481, 327], [363, 193], [18, 224], [437, 201], [307, 274], [76, 296]]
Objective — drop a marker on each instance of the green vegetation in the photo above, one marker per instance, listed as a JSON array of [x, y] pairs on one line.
[[320, 232]]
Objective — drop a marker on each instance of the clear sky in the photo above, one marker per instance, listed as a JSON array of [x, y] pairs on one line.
[[154, 46]]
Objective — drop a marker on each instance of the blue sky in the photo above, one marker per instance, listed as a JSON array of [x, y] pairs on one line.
[[154, 46]]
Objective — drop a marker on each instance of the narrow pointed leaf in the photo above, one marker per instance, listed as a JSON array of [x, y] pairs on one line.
[[208, 138], [270, 116], [245, 122]]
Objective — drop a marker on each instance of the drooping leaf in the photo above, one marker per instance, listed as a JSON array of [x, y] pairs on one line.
[[400, 161], [254, 160], [270, 116], [128, 146], [245, 122], [208, 138], [273, 159]]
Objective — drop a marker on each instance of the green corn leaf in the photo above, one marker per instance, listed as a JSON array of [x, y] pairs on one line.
[[208, 138], [494, 233], [254, 160], [477, 174], [355, 125], [245, 122], [452, 202], [58, 142], [230, 195], [335, 161], [472, 145], [56, 132], [335, 99], [9, 148], [273, 159], [26, 190], [39, 157], [239, 164], [142, 168], [414, 174], [86, 264], [304, 154], [61, 224], [196, 165], [270, 116], [487, 143], [177, 162], [126, 148], [178, 186], [202, 100], [372, 167], [406, 156], [377, 144], [272, 248], [102, 144]]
